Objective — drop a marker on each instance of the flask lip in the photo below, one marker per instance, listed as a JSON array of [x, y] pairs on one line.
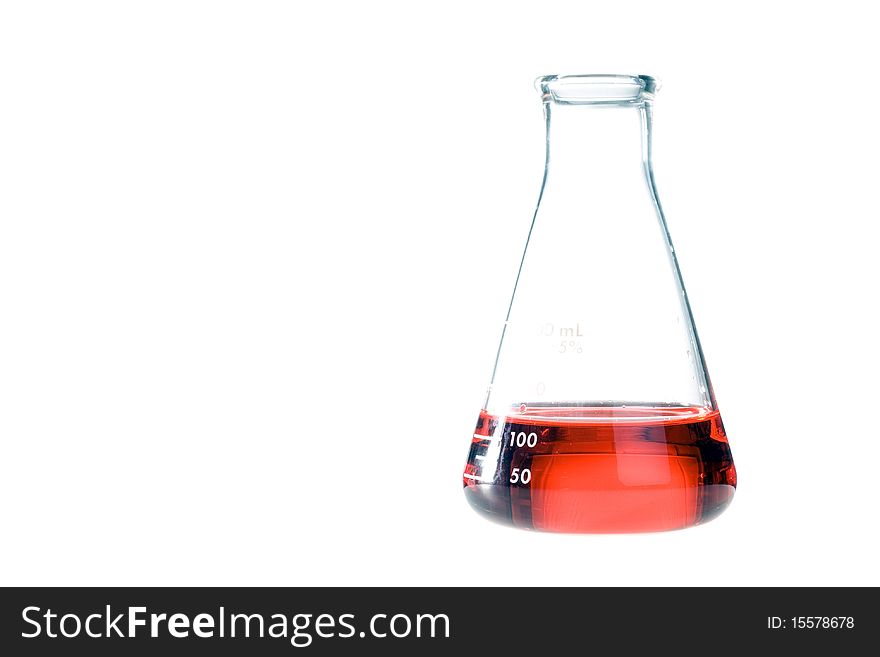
[[597, 89]]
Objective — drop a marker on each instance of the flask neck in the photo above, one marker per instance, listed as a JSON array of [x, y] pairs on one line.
[[596, 147]]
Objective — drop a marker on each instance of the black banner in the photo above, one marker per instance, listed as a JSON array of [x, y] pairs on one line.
[[436, 621]]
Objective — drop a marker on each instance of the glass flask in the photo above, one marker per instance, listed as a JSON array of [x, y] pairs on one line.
[[600, 416]]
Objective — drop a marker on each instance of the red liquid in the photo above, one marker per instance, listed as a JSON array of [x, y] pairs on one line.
[[600, 469]]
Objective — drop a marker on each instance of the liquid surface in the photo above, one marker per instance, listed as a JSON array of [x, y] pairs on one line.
[[600, 468]]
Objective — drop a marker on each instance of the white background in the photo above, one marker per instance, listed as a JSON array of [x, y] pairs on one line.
[[254, 260]]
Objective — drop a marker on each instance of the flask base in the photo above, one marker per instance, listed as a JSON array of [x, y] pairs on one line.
[[601, 468]]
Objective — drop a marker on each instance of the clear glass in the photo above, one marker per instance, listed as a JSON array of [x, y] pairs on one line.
[[600, 416]]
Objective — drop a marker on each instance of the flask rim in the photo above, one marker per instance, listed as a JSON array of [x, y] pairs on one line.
[[597, 89]]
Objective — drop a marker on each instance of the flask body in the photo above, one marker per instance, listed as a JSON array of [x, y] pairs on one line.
[[600, 415]]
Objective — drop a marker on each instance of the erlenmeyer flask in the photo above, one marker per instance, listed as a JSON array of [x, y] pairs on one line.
[[600, 416]]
